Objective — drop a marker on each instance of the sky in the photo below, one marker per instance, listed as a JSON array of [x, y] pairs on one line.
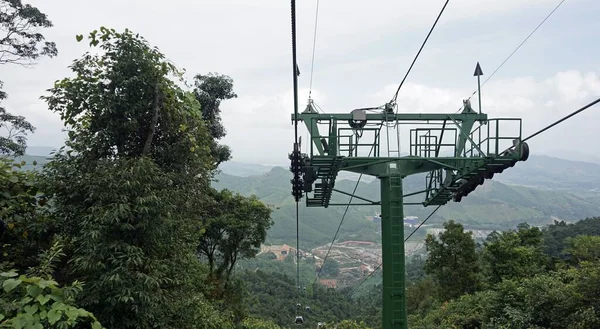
[[363, 50]]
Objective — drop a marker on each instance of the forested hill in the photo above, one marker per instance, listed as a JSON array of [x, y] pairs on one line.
[[492, 206], [558, 189]]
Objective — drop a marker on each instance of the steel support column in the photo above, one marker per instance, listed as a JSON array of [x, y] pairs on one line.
[[392, 240]]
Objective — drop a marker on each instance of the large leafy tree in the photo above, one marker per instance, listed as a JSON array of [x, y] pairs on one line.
[[127, 189], [15, 129], [20, 43], [235, 228], [210, 90], [23, 229], [452, 261], [514, 254]]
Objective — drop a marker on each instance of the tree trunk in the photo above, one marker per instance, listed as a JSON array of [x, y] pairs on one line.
[[154, 121]]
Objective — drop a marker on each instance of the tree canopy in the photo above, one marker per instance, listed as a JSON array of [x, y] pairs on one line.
[[20, 43]]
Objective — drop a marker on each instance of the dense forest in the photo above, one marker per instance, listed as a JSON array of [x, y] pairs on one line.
[[123, 228]]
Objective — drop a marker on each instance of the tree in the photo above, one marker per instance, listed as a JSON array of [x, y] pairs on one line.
[[210, 90], [452, 261], [235, 228], [20, 43], [17, 128], [23, 229], [330, 268], [584, 248], [127, 191], [514, 254], [348, 324]]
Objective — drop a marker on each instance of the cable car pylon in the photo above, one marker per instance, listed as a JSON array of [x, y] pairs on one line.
[[456, 154]]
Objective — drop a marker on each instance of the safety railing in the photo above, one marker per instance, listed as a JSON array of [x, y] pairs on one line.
[[494, 137], [432, 142]]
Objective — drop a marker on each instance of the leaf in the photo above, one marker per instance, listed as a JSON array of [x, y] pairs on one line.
[[11, 284], [43, 299], [2, 317], [31, 309], [43, 314], [79, 37], [13, 179], [96, 325], [36, 325], [53, 316], [16, 323], [34, 290], [10, 274]]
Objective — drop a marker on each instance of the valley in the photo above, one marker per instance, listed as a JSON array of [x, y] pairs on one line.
[[527, 193]]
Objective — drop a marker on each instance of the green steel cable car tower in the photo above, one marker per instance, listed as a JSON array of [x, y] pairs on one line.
[[457, 151]]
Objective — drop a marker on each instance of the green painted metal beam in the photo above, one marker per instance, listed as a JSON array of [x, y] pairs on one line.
[[392, 117], [392, 245]]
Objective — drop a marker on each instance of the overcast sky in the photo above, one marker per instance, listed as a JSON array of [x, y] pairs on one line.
[[363, 50]]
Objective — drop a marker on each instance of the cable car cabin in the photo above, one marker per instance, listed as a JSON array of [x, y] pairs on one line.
[[307, 308], [299, 320], [299, 305], [321, 325]]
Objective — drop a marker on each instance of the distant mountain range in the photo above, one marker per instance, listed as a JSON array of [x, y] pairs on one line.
[[537, 191]]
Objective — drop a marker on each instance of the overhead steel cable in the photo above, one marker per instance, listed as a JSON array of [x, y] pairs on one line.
[[563, 119], [312, 65], [296, 147], [516, 49], [341, 222], [418, 53], [423, 222], [393, 100]]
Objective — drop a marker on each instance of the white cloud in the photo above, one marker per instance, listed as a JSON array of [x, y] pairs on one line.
[[537, 102], [250, 41]]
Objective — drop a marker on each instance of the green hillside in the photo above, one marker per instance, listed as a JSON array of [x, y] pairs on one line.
[[555, 174], [562, 189], [493, 205]]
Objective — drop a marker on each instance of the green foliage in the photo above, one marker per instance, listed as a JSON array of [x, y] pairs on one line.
[[551, 300], [584, 248], [421, 296], [122, 102], [273, 296], [128, 191], [22, 44], [523, 292], [22, 220], [235, 227], [210, 90], [556, 235], [452, 261], [253, 323], [36, 303], [15, 142], [330, 269], [514, 254], [128, 241], [347, 324]]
